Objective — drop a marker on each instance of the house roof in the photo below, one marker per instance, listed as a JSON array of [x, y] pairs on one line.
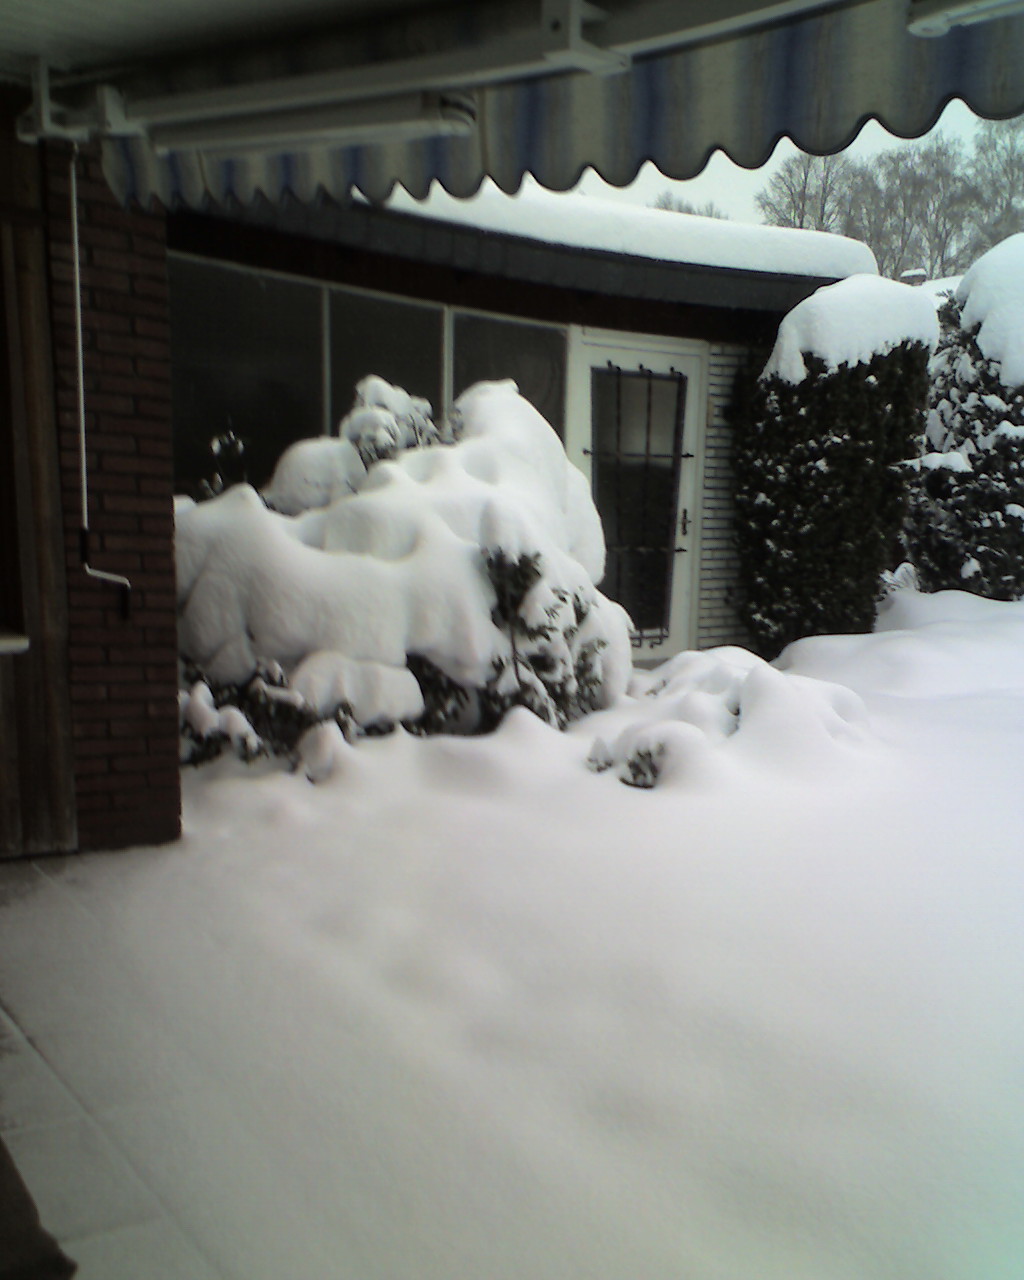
[[583, 221], [203, 102], [544, 272]]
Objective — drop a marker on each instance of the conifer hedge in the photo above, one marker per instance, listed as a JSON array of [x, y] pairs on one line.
[[820, 497], [965, 525]]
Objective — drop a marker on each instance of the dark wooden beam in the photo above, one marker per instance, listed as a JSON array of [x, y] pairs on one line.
[[38, 811]]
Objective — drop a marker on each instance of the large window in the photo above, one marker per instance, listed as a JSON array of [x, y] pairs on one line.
[[487, 349], [401, 341], [273, 359], [247, 359]]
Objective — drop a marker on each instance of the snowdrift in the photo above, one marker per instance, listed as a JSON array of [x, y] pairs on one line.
[[702, 719], [390, 576]]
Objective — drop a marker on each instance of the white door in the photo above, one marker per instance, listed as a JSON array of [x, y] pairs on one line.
[[635, 427]]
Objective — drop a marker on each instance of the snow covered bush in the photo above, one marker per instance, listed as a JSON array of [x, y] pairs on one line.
[[702, 713], [820, 498], [965, 525], [399, 574]]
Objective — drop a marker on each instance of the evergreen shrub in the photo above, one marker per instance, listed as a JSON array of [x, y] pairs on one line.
[[965, 523], [820, 495], [547, 655], [549, 669]]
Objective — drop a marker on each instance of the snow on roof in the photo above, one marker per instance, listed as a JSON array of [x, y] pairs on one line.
[[992, 292], [586, 222], [849, 322]]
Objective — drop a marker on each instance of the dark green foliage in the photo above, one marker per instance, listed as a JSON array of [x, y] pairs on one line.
[[280, 716], [820, 498], [644, 767], [588, 679], [965, 529], [512, 577], [960, 534], [548, 670], [277, 715], [445, 701]]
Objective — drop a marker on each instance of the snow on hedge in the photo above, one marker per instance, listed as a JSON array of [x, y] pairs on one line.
[[992, 295], [849, 322], [476, 558]]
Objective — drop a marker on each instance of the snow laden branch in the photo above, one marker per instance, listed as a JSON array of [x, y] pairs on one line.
[[965, 527], [398, 573]]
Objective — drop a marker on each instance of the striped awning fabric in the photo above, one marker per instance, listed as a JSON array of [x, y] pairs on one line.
[[815, 79]]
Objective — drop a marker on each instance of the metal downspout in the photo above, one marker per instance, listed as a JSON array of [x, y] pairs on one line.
[[116, 579]]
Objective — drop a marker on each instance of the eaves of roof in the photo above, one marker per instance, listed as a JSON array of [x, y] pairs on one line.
[[504, 256]]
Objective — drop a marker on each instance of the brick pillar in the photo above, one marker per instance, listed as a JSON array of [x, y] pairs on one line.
[[123, 671]]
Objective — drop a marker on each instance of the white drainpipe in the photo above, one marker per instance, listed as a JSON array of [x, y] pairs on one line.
[[117, 579]]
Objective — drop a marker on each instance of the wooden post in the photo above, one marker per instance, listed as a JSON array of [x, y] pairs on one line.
[[37, 797]]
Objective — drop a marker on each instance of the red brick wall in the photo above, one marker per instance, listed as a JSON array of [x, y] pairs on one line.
[[123, 671]]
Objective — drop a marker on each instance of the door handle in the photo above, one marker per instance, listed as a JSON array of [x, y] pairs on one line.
[[684, 522]]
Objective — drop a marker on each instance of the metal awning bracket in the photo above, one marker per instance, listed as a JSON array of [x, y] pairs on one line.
[[564, 44], [102, 114], [45, 118], [937, 17]]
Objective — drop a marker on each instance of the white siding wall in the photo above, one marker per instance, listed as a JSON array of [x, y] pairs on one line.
[[717, 621]]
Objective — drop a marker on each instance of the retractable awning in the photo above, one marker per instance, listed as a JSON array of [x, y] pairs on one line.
[[463, 93]]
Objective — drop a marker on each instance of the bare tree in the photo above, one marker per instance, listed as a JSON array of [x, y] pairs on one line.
[[947, 207], [882, 210], [915, 207], [997, 175], [807, 191], [677, 204]]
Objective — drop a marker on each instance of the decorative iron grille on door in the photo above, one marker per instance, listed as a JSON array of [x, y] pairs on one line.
[[638, 418]]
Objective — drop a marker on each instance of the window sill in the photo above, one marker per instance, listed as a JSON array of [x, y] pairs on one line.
[[12, 642]]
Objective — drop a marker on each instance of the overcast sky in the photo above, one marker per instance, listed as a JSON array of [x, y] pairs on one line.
[[733, 189]]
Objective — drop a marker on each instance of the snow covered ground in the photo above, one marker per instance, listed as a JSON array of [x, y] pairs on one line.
[[471, 1009]]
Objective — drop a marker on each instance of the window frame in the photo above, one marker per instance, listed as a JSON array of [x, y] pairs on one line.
[[326, 288]]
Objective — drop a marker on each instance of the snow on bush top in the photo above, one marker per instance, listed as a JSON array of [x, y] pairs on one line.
[[849, 322], [583, 221], [992, 294], [398, 567], [384, 420]]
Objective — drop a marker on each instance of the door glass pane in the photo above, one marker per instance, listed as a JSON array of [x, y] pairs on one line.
[[400, 341], [637, 432], [246, 355], [488, 350]]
